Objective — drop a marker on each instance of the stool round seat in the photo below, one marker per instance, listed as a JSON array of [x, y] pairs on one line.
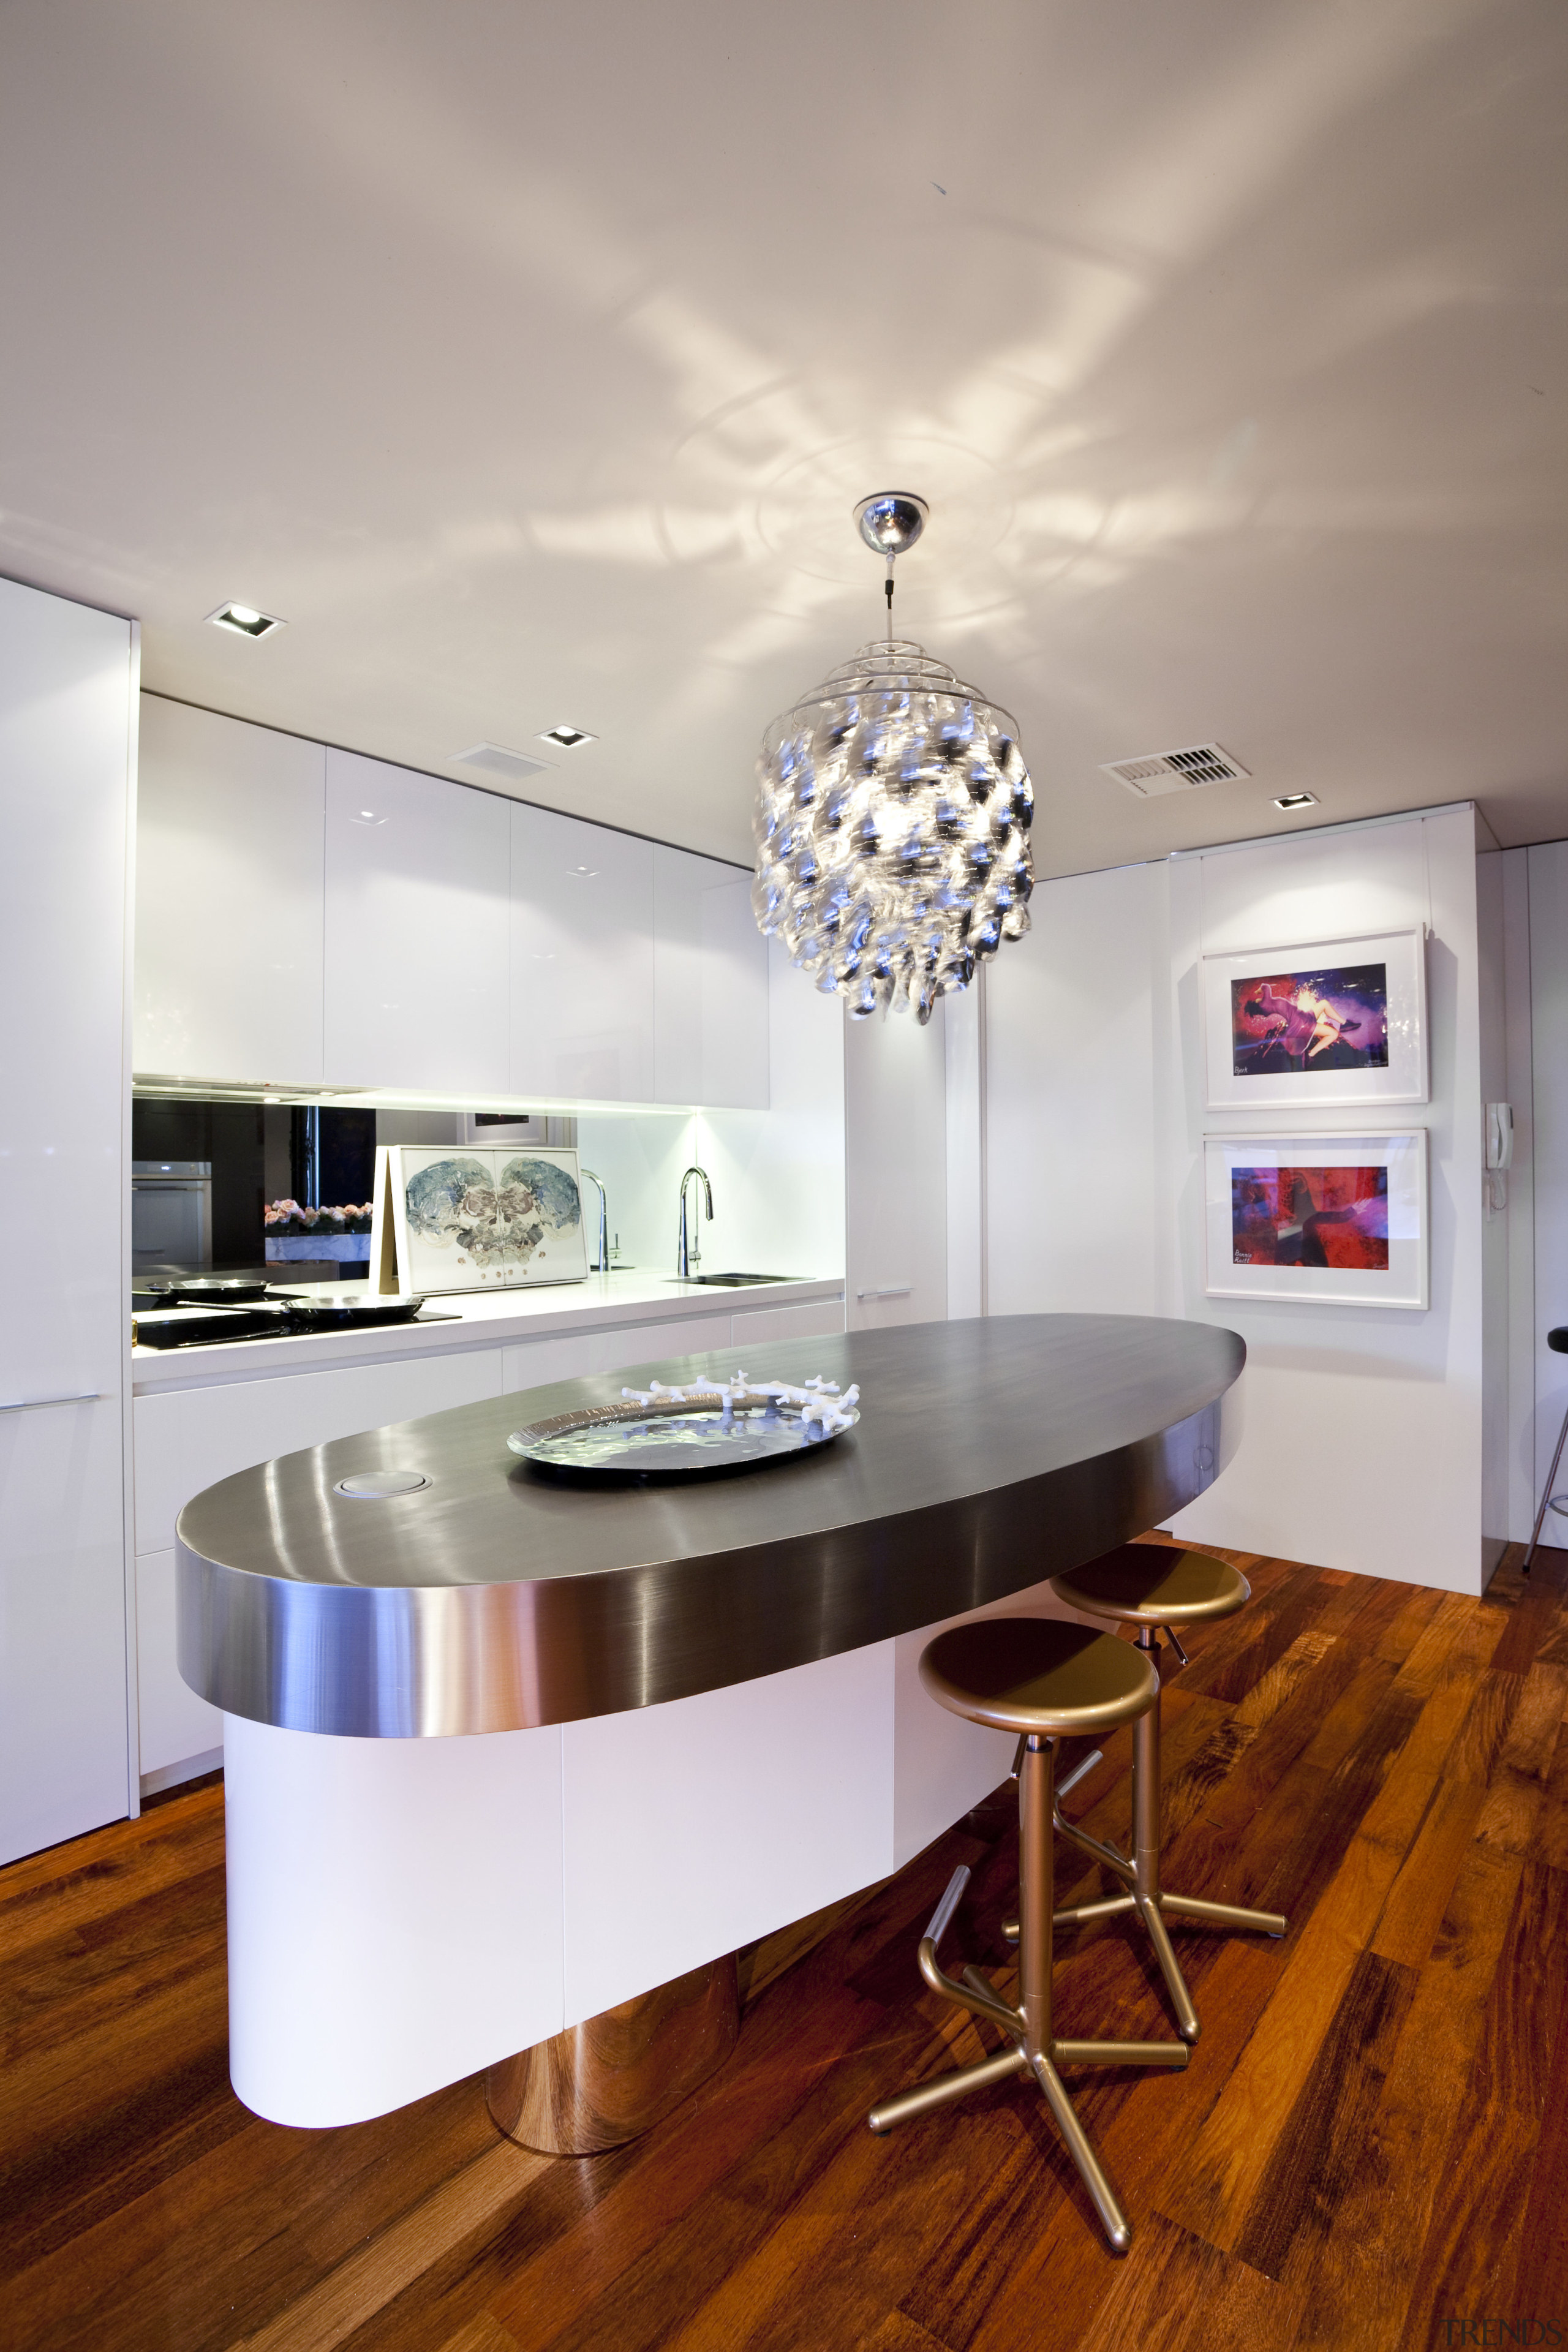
[[1559, 1339], [1152, 1584], [1037, 1676]]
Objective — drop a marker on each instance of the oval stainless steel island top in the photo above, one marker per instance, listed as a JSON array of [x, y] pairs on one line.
[[990, 1455]]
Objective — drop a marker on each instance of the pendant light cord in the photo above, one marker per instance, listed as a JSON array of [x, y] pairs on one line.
[[888, 590]]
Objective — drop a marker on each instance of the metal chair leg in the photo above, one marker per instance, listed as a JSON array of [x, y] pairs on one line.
[[1033, 2046], [1545, 1497], [1145, 1896]]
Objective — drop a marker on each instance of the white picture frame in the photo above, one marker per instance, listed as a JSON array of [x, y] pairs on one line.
[[1311, 1190], [525, 1227], [1280, 1024]]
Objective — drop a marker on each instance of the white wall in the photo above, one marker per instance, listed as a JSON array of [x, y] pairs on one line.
[[964, 1067], [896, 1145], [1496, 1217], [1541, 1406], [1363, 1426], [1073, 1210], [1518, 1090]]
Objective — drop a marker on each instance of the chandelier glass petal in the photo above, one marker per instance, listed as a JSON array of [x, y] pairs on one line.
[[892, 830]]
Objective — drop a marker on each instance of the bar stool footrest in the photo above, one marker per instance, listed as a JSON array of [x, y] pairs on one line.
[[1082, 1915], [1120, 2054], [1223, 1915], [1093, 1845]]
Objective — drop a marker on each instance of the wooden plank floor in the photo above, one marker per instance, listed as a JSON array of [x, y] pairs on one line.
[[1369, 2149]]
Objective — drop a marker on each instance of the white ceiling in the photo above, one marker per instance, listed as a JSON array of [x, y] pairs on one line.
[[529, 359]]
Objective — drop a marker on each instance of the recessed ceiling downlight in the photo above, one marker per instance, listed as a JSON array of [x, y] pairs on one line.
[[1297, 800], [245, 621], [569, 738]]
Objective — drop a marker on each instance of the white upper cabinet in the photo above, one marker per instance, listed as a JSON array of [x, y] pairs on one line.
[[710, 985], [229, 899], [582, 959], [416, 925], [308, 917]]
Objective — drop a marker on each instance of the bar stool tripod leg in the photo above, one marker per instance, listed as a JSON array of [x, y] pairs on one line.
[[1033, 2046], [1144, 1894], [1146, 1851], [1035, 1922], [1545, 1499]]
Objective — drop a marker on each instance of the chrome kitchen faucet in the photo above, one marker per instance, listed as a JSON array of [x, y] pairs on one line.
[[687, 1257], [604, 1265]]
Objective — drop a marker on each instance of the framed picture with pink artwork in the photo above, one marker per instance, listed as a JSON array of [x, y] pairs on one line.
[[1325, 1024], [1332, 1219]]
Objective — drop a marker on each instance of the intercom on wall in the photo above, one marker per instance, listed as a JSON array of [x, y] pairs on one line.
[[1499, 1153]]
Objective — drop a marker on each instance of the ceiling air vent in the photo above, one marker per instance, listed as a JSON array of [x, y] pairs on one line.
[[513, 765], [1174, 771]]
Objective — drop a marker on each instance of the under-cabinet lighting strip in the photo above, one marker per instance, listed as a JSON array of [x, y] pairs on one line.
[[149, 1085]]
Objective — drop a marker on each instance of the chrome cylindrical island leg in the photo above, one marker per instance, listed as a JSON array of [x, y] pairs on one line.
[[616, 2076]]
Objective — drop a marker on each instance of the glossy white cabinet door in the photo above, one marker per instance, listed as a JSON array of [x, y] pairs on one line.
[[416, 928], [66, 730], [187, 1439], [757, 1327], [582, 959], [229, 898], [710, 985]]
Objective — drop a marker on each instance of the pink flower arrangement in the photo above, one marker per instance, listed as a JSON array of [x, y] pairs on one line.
[[287, 1217]]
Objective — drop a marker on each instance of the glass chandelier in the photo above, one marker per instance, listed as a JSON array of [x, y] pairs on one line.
[[892, 819]]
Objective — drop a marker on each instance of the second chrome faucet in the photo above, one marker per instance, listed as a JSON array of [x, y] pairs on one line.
[[687, 1257]]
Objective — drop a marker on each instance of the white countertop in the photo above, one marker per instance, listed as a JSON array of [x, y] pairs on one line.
[[488, 1319]]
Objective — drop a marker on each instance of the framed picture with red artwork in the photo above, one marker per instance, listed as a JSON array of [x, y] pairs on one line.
[[1330, 1220]]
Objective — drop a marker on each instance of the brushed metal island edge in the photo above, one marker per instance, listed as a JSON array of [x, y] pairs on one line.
[[991, 1455]]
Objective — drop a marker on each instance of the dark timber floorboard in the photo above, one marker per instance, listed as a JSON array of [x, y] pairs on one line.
[[1370, 2148]]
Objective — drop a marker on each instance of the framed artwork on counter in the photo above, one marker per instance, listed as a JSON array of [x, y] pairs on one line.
[[1330, 1025], [1329, 1220], [476, 1217]]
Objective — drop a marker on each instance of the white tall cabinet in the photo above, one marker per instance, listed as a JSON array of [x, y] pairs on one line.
[[67, 706]]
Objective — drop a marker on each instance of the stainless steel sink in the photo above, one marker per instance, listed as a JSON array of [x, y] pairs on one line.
[[728, 1281]]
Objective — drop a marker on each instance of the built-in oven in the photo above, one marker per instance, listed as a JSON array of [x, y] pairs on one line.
[[171, 1212]]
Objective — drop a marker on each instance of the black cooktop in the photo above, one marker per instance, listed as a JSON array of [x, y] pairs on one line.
[[157, 1324]]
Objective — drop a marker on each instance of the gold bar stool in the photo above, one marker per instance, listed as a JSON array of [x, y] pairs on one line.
[[1153, 1588], [1046, 1681]]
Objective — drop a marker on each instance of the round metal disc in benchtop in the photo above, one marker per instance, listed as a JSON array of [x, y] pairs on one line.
[[990, 1456]]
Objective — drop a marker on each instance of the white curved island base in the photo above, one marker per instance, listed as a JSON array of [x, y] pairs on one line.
[[506, 1754], [402, 1913]]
